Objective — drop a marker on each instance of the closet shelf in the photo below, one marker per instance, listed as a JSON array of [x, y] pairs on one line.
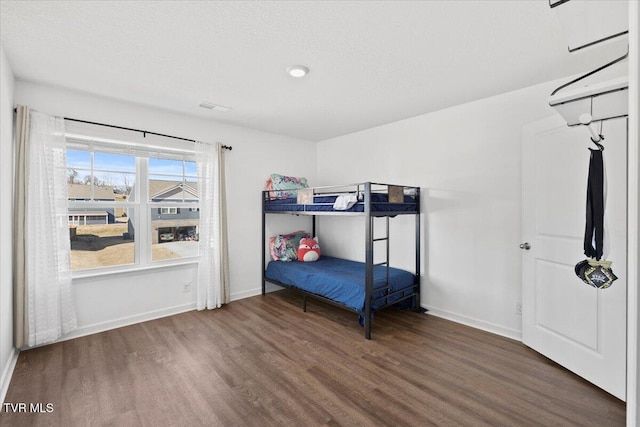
[[589, 23], [603, 100]]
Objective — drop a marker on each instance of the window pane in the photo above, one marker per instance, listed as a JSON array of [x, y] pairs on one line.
[[174, 232], [165, 167], [101, 237], [78, 166], [190, 169], [78, 159], [111, 179], [79, 176], [125, 185], [172, 180], [114, 162]]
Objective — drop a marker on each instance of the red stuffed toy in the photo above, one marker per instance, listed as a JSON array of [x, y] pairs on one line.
[[309, 249]]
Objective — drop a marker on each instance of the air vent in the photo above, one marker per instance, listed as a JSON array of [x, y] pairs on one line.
[[214, 107]]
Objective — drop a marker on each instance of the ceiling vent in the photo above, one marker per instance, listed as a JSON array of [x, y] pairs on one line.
[[214, 107]]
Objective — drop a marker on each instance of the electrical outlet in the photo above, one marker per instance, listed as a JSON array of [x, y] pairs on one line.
[[519, 308], [186, 287]]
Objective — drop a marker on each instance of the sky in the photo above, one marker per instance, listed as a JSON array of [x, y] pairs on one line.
[[119, 169]]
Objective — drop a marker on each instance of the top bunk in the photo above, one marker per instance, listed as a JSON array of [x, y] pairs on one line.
[[366, 198]]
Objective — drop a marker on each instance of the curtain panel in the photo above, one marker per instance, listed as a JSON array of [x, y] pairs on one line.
[[44, 308], [213, 266]]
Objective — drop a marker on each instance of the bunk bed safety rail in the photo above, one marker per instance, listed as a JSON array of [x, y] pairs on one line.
[[357, 188], [383, 200]]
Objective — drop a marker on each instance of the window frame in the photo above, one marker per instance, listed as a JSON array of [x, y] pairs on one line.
[[142, 208]]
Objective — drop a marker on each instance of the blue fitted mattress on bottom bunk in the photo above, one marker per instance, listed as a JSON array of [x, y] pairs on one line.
[[340, 280]]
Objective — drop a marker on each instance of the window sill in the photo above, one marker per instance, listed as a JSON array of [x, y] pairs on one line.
[[83, 276]]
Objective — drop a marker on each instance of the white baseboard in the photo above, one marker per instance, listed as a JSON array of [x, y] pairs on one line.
[[253, 292], [458, 318], [150, 315], [245, 294], [475, 323], [128, 320], [7, 372], [143, 317]]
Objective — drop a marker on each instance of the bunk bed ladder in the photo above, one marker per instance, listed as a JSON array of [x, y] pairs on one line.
[[385, 263], [370, 240]]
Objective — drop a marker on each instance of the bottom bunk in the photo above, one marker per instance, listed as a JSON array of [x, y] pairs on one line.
[[342, 282]]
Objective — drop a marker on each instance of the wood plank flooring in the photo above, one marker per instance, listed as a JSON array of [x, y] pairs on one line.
[[261, 361]]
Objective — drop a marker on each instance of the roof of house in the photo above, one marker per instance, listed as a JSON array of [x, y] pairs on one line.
[[172, 190], [83, 192]]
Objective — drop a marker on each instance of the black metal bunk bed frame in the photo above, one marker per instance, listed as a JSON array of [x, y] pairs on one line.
[[369, 247]]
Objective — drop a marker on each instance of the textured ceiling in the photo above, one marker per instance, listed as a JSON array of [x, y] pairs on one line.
[[371, 62]]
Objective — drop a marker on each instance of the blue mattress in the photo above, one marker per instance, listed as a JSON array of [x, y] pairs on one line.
[[379, 203], [339, 280]]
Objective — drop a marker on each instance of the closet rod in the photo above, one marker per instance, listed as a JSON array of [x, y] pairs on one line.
[[604, 39], [143, 132]]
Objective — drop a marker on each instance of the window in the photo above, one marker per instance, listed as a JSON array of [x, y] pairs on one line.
[[99, 186], [174, 229], [168, 211], [130, 209]]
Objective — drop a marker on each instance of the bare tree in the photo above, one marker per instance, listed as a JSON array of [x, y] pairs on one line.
[[72, 176], [127, 184], [88, 179], [107, 180]]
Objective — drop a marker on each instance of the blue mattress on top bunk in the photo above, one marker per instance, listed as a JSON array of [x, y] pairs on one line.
[[340, 280], [379, 203]]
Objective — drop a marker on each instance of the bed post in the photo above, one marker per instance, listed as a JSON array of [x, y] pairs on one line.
[[417, 307], [368, 277], [263, 242], [313, 226]]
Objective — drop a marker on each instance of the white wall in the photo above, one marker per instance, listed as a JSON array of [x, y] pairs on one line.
[[105, 302], [7, 352], [467, 159], [633, 293]]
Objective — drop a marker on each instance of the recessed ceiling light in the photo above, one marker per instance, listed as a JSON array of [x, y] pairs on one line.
[[214, 107], [297, 70]]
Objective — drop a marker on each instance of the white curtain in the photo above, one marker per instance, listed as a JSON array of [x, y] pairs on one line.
[[43, 281], [213, 265]]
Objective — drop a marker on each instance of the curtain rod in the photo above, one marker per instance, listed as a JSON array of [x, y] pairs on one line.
[[143, 132]]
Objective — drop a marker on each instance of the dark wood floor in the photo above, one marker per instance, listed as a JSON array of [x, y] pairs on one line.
[[262, 361]]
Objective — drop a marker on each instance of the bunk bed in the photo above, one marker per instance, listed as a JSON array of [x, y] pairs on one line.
[[355, 286]]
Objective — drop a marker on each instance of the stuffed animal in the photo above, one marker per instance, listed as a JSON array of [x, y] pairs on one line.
[[309, 249]]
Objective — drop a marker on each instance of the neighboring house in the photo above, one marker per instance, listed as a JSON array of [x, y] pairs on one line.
[[169, 223], [79, 216]]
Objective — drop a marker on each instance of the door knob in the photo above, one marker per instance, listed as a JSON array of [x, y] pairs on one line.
[[526, 246]]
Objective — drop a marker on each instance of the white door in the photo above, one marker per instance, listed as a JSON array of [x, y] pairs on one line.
[[580, 327]]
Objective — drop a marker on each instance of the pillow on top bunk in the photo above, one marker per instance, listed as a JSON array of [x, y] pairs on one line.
[[284, 247], [283, 187], [309, 249]]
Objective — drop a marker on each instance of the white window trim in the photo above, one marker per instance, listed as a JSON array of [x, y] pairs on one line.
[[130, 268], [142, 240]]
